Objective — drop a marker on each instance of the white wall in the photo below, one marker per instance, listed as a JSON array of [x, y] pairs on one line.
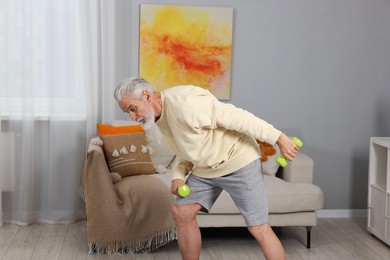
[[318, 69]]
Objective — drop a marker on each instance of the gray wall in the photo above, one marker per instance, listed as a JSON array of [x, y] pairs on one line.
[[317, 69]]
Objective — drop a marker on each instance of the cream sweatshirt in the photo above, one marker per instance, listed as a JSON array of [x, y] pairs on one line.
[[209, 138]]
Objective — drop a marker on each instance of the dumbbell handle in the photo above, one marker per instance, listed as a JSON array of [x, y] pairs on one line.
[[184, 190], [281, 160]]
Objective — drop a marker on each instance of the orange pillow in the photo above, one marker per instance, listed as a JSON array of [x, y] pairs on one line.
[[114, 130]]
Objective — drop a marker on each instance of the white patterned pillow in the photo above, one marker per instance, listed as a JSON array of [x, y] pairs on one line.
[[270, 167]]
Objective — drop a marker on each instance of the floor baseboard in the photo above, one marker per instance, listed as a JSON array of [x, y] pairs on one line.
[[342, 213]]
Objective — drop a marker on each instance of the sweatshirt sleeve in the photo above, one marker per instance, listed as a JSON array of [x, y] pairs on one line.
[[181, 168], [230, 117]]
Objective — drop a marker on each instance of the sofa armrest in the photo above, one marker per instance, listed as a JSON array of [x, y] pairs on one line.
[[95, 165], [299, 170]]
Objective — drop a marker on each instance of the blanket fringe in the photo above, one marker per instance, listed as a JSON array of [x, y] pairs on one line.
[[141, 246]]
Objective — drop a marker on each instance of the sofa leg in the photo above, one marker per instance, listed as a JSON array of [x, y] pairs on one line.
[[308, 237]]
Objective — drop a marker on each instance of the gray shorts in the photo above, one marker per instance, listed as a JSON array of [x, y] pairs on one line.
[[245, 186]]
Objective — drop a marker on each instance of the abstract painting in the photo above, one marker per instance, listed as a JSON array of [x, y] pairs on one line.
[[186, 45]]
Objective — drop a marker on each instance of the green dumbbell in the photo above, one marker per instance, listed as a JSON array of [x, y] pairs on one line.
[[283, 161], [184, 190]]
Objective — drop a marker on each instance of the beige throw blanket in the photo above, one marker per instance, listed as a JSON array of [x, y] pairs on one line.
[[131, 216]]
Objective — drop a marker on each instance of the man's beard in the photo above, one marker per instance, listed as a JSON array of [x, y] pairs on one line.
[[147, 121]]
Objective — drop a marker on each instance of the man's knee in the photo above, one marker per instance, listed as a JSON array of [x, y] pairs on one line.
[[184, 213], [260, 231]]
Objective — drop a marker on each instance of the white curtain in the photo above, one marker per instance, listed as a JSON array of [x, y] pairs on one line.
[[56, 64]]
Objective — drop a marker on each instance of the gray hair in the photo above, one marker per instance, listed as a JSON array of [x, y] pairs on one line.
[[133, 86]]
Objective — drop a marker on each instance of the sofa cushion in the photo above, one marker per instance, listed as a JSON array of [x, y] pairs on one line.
[[283, 197], [161, 157], [270, 166], [127, 154], [159, 154]]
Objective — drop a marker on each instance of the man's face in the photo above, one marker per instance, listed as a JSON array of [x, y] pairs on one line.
[[140, 110]]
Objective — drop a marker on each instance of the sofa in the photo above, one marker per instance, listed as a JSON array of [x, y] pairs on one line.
[[292, 196]]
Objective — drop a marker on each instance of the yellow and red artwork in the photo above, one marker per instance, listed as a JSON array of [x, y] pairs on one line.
[[186, 45]]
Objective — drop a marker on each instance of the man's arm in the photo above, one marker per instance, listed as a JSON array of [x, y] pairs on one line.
[[240, 120], [179, 170], [230, 117]]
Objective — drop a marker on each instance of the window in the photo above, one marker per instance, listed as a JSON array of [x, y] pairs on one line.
[[39, 58]]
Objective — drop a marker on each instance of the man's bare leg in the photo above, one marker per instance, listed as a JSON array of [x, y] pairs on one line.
[[268, 241], [188, 233]]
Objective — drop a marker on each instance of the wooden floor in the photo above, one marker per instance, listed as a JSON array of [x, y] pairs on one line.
[[331, 239]]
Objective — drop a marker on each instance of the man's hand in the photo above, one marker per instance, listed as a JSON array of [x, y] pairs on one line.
[[176, 183], [287, 147]]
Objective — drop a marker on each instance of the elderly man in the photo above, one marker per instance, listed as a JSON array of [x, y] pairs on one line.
[[215, 142]]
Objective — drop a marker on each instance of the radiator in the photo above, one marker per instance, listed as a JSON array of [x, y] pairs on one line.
[[7, 161]]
